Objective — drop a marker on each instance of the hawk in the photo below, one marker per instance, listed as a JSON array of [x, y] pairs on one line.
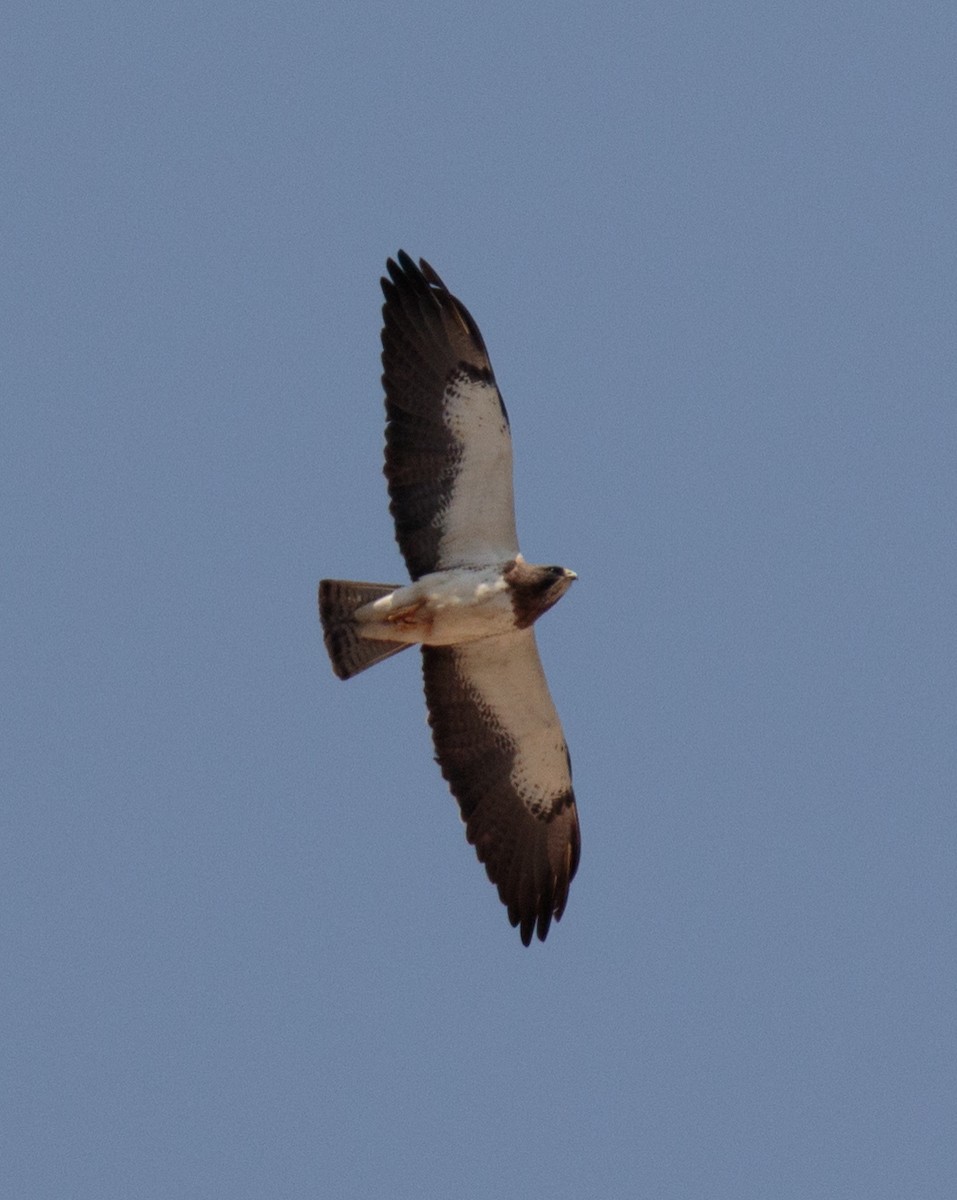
[[472, 601]]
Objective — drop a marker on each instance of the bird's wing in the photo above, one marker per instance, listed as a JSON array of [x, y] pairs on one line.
[[448, 456], [500, 745]]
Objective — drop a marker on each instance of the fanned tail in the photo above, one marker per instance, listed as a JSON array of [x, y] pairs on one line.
[[338, 601]]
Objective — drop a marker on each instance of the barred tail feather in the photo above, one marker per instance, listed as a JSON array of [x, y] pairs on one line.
[[350, 653]]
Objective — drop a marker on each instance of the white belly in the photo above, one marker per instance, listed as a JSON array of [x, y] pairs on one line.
[[442, 609]]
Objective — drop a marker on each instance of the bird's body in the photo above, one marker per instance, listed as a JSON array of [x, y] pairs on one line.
[[472, 601], [441, 609], [447, 608]]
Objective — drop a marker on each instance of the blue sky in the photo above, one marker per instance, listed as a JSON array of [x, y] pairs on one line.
[[247, 950]]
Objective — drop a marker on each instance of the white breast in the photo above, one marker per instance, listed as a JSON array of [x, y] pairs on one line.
[[442, 609]]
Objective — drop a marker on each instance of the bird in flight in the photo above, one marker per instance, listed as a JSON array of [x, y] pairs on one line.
[[472, 601]]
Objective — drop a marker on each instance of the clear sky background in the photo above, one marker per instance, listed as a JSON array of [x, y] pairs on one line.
[[247, 951]]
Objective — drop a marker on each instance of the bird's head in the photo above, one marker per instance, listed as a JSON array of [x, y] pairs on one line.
[[535, 589]]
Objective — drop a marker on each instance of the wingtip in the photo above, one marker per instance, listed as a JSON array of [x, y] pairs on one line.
[[403, 269], [525, 925], [533, 924]]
